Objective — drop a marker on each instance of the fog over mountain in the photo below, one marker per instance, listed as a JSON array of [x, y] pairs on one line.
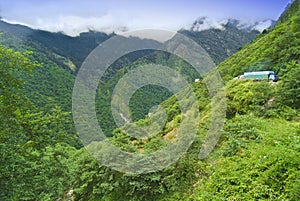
[[76, 16], [205, 23]]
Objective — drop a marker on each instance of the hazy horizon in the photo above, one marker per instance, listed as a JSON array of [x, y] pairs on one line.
[[74, 17]]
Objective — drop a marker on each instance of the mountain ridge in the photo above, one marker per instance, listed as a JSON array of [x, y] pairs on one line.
[[77, 48], [205, 23]]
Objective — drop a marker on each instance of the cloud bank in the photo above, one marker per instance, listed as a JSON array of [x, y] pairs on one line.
[[76, 16]]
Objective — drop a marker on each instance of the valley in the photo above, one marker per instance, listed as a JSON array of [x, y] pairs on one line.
[[255, 158]]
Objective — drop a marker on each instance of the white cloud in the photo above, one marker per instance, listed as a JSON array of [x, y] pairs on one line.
[[73, 25], [75, 16]]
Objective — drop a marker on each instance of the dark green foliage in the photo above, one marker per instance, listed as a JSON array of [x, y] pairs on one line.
[[145, 93], [26, 139], [74, 48], [238, 133], [146, 97], [91, 180]]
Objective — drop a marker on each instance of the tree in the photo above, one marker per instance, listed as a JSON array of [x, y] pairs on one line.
[[289, 88], [33, 160]]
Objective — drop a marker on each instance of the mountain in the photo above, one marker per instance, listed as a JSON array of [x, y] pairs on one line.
[[75, 49], [289, 11], [270, 50], [256, 157], [220, 39], [63, 55], [204, 23], [258, 26]]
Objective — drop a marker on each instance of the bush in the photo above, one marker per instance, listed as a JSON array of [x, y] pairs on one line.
[[246, 97]]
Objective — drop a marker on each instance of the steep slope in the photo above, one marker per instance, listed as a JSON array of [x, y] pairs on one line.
[[256, 157], [50, 84], [270, 50], [74, 48]]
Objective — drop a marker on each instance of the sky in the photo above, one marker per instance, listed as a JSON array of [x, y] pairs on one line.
[[75, 16]]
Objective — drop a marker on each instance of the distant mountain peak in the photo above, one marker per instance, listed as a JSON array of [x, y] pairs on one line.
[[256, 25], [205, 23]]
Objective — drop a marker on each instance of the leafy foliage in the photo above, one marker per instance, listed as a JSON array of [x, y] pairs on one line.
[[246, 97], [25, 137], [289, 88], [260, 163], [139, 105]]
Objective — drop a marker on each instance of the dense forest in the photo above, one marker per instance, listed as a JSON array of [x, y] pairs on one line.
[[256, 157]]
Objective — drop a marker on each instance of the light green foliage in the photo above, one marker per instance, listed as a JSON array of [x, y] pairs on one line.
[[265, 166], [246, 97]]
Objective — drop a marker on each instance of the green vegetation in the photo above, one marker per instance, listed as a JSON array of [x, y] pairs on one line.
[[278, 48], [31, 140], [139, 105], [51, 84], [255, 159]]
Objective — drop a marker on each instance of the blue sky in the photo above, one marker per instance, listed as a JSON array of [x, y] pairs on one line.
[[74, 16]]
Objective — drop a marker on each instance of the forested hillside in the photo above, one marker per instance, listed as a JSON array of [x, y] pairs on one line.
[[255, 159], [61, 56], [74, 49]]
